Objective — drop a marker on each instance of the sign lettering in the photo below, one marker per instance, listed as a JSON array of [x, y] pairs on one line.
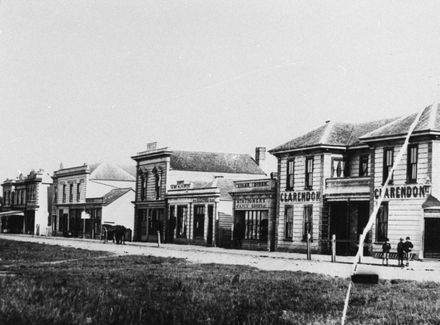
[[403, 192], [304, 196]]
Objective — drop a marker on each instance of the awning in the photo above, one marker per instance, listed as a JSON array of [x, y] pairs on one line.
[[11, 213]]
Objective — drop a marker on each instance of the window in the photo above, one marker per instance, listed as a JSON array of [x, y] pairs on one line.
[[308, 221], [382, 223], [199, 220], [388, 158], [363, 165], [157, 179], [257, 223], [64, 193], [338, 167], [71, 193], [55, 194], [411, 169], [22, 197], [78, 192], [290, 174], [182, 215], [309, 173], [288, 216]]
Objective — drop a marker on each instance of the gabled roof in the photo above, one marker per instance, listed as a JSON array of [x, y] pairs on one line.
[[429, 121], [114, 194], [332, 134], [214, 162], [107, 171]]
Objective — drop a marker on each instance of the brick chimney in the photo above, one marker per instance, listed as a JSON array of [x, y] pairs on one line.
[[260, 155]]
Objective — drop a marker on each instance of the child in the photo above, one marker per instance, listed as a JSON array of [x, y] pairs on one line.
[[407, 247], [400, 252], [386, 247]]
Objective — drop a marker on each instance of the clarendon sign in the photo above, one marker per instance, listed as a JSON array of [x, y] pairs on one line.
[[304, 196], [403, 192]]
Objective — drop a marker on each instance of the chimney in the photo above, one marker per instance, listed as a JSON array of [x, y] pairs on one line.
[[260, 155]]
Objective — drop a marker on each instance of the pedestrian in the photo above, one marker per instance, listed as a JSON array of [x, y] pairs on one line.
[[407, 247], [400, 252], [386, 247]]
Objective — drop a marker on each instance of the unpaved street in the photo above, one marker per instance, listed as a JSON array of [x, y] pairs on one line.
[[419, 271]]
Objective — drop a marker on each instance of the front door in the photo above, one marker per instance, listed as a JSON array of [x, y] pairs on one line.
[[210, 221], [432, 238]]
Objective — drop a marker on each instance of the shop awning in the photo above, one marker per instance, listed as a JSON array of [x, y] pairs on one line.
[[11, 213]]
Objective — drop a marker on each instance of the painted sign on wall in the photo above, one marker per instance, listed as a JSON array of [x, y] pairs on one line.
[[302, 196], [404, 192]]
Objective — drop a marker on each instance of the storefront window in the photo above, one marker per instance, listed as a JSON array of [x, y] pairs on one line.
[[199, 220], [382, 223], [257, 223], [288, 222], [182, 215]]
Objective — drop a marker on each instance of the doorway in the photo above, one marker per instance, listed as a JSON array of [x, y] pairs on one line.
[[432, 242], [210, 223]]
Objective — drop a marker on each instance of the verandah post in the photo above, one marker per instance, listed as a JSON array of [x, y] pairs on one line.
[[333, 248], [309, 256]]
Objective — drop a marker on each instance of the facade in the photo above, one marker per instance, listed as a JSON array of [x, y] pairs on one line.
[[27, 202], [254, 214], [89, 196], [184, 195], [330, 180]]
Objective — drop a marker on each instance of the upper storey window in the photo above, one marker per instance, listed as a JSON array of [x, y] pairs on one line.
[[64, 193], [363, 166], [157, 182], [388, 159], [290, 174], [78, 192], [309, 173], [71, 193], [338, 167], [411, 169]]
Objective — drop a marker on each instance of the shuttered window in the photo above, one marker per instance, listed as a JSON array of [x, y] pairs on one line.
[[411, 170]]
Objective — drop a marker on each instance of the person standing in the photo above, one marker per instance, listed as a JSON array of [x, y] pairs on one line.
[[386, 247], [400, 252], [407, 247]]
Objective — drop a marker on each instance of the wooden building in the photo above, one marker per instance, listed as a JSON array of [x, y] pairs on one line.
[[90, 195], [184, 195], [254, 214], [330, 180], [27, 202]]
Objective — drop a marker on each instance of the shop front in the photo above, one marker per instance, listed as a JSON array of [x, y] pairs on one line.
[[254, 214], [151, 222]]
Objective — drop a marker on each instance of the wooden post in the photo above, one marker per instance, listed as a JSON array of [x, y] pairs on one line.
[[309, 256], [158, 238], [333, 248]]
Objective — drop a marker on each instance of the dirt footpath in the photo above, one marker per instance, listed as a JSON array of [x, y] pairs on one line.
[[418, 271]]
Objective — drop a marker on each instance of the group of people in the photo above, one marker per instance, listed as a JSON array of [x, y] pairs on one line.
[[404, 249]]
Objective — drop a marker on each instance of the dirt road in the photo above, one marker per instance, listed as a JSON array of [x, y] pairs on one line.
[[419, 271]]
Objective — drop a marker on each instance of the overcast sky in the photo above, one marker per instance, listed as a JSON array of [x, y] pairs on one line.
[[86, 81]]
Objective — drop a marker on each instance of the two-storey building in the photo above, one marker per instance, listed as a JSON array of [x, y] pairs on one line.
[[27, 204], [330, 180], [91, 195], [184, 195]]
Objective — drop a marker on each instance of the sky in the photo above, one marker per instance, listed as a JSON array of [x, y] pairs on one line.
[[96, 80]]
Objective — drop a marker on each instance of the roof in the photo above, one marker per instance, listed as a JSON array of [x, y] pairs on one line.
[[429, 121], [114, 194], [214, 162], [431, 202], [107, 171], [333, 134]]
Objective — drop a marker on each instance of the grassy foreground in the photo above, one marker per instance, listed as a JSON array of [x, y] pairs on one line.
[[151, 290]]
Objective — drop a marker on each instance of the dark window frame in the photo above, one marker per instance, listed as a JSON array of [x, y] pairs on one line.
[[364, 159], [71, 192], [412, 163], [78, 192], [308, 221], [309, 173], [288, 224], [64, 193], [290, 174], [382, 223], [387, 165]]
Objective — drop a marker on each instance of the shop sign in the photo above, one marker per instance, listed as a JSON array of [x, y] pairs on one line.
[[251, 203], [203, 200], [180, 186], [403, 192], [252, 184], [302, 196]]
